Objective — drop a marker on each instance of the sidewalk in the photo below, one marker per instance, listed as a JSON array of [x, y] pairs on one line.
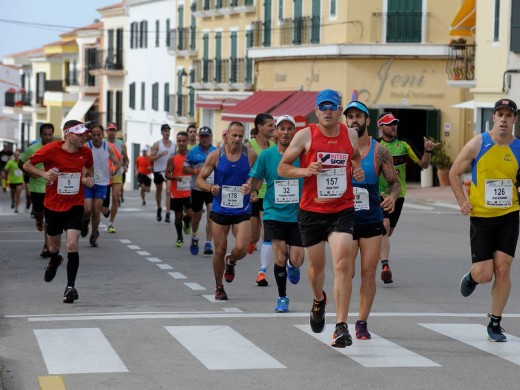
[[430, 194]]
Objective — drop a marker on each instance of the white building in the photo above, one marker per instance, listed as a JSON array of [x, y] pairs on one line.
[[11, 104]]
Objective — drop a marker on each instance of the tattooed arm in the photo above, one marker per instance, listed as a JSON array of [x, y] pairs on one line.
[[385, 166]]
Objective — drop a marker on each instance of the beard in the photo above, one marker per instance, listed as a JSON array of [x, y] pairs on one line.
[[361, 130]]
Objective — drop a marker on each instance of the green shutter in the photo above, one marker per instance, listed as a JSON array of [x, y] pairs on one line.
[[515, 26], [267, 23], [315, 21], [180, 13], [404, 21]]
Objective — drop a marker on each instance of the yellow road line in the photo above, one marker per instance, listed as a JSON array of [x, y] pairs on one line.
[[52, 382]]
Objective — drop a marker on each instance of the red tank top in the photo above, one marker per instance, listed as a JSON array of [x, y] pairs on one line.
[[331, 190]]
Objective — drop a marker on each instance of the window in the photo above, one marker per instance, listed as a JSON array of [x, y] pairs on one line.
[[315, 21], [134, 35], [496, 22], [267, 23], [166, 97], [218, 57], [280, 9], [233, 58], [119, 108], [404, 20], [143, 37], [40, 87], [515, 26], [155, 96], [110, 101], [168, 37], [333, 9], [157, 31], [143, 95], [131, 97]]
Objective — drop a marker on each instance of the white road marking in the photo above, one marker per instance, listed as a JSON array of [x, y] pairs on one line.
[[134, 247], [376, 352], [475, 335], [143, 253], [154, 259], [125, 241], [211, 298], [195, 286], [222, 348], [164, 266], [78, 351], [177, 275]]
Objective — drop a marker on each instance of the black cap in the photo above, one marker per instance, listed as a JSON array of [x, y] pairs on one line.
[[205, 130], [505, 103], [166, 126]]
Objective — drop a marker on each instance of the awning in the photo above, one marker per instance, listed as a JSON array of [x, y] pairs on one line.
[[470, 104], [215, 104], [79, 109], [260, 101], [464, 22], [298, 105]]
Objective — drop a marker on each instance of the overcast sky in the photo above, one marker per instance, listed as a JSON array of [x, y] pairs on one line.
[[53, 16]]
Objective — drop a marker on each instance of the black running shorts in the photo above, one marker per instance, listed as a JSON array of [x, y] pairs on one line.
[[316, 227]]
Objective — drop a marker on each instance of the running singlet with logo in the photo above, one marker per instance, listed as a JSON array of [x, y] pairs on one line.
[[331, 190], [367, 199], [400, 149], [180, 189], [494, 171], [66, 191], [230, 175]]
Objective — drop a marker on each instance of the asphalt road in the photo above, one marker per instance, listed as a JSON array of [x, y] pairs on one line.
[[145, 318]]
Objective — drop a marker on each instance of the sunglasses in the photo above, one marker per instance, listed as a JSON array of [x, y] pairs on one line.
[[325, 107]]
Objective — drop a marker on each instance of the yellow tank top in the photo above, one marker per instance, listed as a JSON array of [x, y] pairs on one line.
[[494, 173], [258, 149]]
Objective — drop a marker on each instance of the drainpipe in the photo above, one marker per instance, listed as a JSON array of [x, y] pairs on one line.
[[505, 88]]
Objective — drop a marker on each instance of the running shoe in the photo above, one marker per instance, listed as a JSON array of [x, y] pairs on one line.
[[261, 281], [93, 240], [386, 275], [45, 252], [467, 286], [495, 332], [70, 295], [341, 337], [251, 248], [220, 294], [194, 247], [84, 229], [144, 203], [50, 271], [167, 218], [208, 249], [293, 274], [39, 226], [111, 229], [317, 317], [159, 214], [179, 243], [362, 332], [229, 271], [282, 305]]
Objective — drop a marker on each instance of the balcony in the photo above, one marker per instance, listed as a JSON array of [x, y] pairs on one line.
[[460, 66], [226, 74], [15, 101], [295, 31], [207, 8], [107, 63], [182, 42], [181, 108]]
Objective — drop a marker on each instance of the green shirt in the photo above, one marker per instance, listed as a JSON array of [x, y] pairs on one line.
[[258, 149], [35, 184], [15, 173]]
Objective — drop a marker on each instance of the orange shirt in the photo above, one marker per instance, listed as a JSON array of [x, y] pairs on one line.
[[180, 189], [144, 165]]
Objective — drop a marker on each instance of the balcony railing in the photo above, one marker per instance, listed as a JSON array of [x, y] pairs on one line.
[[221, 7], [54, 86], [208, 70], [18, 99], [182, 39], [222, 71], [180, 106], [110, 59], [461, 62], [72, 79]]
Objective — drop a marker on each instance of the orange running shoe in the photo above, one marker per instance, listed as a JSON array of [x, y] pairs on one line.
[[261, 281], [251, 248]]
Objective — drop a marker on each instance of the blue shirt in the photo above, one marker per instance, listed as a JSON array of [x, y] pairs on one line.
[[195, 159], [265, 168]]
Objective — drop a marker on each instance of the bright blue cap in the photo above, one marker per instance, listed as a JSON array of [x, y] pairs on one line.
[[328, 95], [355, 104]]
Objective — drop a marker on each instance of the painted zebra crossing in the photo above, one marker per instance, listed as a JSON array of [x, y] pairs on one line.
[[220, 347]]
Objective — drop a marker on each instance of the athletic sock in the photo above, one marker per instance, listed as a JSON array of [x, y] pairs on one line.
[[383, 263], [72, 268], [280, 274], [178, 228], [265, 254]]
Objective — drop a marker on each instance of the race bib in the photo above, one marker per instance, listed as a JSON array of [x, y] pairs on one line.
[[361, 199], [332, 183], [18, 172], [286, 191], [232, 197], [184, 184], [68, 183], [499, 192]]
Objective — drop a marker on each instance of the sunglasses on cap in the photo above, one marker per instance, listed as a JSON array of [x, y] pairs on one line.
[[325, 107]]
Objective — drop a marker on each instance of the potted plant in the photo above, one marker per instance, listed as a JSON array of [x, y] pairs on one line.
[[443, 162]]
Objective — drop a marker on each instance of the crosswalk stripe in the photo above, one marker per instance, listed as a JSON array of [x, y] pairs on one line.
[[376, 352], [77, 351], [195, 286], [475, 335], [164, 266], [222, 348], [177, 275]]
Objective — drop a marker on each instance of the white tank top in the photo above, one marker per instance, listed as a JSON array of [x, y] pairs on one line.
[[101, 167], [159, 165]]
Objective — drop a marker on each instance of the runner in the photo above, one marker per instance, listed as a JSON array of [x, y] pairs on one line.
[[143, 167], [192, 166], [5, 156], [280, 215], [368, 224], [162, 150], [494, 158], [102, 152], [180, 200], [192, 136], [329, 158], [231, 207], [15, 179], [68, 167], [37, 184]]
